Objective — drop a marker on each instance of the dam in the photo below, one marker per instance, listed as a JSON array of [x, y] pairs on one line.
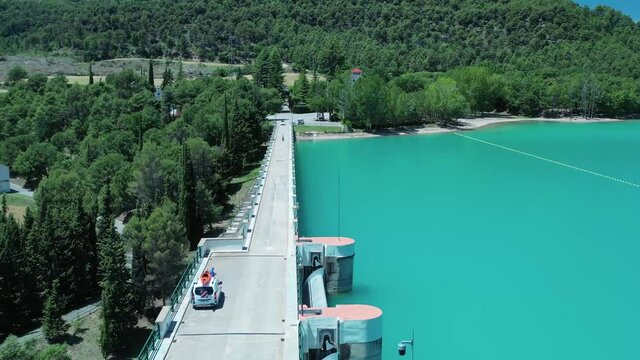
[[275, 284]]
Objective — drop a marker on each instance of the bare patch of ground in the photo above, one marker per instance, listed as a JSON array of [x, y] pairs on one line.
[[70, 67]]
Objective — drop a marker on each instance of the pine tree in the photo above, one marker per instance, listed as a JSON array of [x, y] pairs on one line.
[[53, 327], [90, 75], [165, 247], [152, 85], [276, 74], [263, 69], [117, 312]]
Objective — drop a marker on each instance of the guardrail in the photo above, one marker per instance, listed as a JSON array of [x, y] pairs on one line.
[[242, 223], [294, 208], [246, 212], [154, 340]]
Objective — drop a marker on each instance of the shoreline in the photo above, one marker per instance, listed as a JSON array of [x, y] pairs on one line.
[[463, 125]]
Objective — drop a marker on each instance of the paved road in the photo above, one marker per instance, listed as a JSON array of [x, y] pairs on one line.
[[251, 322], [309, 119], [21, 190]]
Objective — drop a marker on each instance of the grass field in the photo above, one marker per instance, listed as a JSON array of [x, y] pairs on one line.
[[184, 62], [84, 338], [84, 80], [18, 204], [301, 129], [291, 77], [71, 67]]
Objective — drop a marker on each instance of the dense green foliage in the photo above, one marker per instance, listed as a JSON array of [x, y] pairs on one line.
[[97, 151], [118, 313], [418, 98], [13, 349], [553, 57], [53, 327], [403, 36]]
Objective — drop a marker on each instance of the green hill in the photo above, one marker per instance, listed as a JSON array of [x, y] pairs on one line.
[[398, 36]]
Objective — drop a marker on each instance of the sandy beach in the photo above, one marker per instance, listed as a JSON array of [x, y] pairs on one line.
[[463, 124]]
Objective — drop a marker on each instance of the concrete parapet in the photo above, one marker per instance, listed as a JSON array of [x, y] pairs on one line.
[[163, 321], [334, 254], [207, 245], [351, 331]]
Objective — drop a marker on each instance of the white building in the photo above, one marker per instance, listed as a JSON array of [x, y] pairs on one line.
[[355, 74], [4, 179]]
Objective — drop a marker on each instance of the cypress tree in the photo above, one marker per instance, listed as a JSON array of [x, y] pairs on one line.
[[167, 76], [31, 303], [187, 209], [304, 86], [225, 125], [117, 312], [90, 75], [140, 134], [53, 327], [13, 263], [7, 312], [180, 76], [134, 235], [5, 208], [152, 85]]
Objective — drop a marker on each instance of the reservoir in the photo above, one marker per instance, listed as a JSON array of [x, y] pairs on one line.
[[518, 241]]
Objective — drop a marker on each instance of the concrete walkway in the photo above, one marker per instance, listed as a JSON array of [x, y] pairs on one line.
[[252, 321]]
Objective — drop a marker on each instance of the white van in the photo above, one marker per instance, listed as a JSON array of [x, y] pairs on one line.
[[206, 291]]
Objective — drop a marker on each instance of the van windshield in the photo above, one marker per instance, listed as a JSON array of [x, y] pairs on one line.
[[203, 291]]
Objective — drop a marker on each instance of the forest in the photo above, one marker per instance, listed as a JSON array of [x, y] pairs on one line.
[[551, 56], [111, 147], [100, 150], [549, 36]]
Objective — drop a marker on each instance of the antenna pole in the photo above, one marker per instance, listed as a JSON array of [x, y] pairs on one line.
[[339, 206]]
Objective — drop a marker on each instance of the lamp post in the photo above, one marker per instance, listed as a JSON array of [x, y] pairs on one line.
[[402, 346]]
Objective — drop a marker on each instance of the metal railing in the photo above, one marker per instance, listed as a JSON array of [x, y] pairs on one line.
[[152, 345], [240, 222], [154, 340], [183, 283]]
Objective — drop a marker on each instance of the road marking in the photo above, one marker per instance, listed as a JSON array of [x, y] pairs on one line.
[[590, 172]]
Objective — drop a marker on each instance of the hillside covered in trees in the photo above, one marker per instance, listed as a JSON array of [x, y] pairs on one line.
[[96, 151], [398, 36]]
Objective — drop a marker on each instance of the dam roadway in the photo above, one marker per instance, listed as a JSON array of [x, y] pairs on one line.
[[257, 319]]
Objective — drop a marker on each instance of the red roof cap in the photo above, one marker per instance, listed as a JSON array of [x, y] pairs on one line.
[[356, 71]]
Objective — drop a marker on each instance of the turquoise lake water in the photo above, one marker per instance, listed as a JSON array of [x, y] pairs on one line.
[[488, 253]]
